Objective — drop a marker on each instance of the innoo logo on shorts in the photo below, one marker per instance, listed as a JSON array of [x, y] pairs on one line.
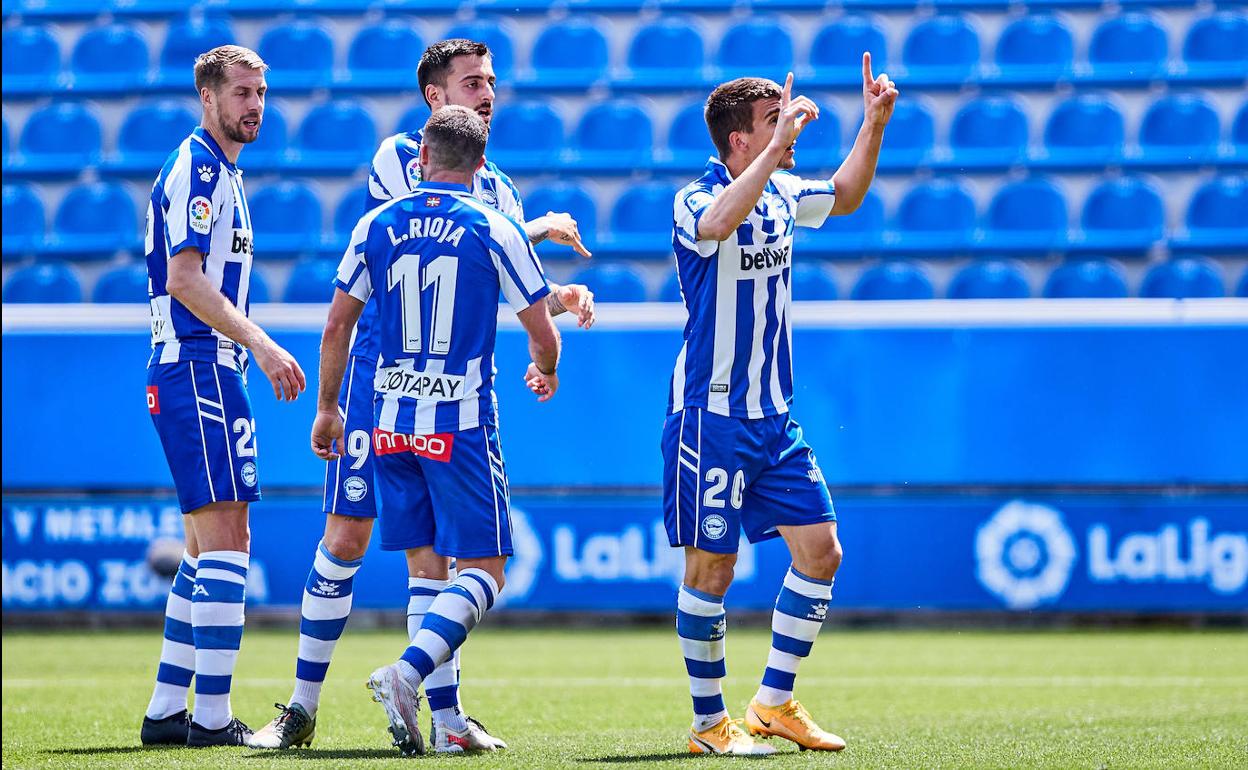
[[714, 526], [1025, 554], [355, 488]]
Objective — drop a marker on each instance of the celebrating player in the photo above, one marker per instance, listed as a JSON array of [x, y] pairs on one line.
[[435, 261], [199, 253], [451, 72], [733, 456]]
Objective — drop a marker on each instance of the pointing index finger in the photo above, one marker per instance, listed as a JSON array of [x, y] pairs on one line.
[[866, 68], [787, 93]]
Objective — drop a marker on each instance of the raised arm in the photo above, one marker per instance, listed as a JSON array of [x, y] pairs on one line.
[[734, 204], [853, 178], [344, 312], [187, 284]]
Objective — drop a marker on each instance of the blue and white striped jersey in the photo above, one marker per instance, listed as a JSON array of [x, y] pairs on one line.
[[197, 202], [433, 263], [736, 360], [396, 172]]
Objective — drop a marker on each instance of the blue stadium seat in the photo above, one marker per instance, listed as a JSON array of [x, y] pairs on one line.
[[528, 133], [187, 39], [269, 149], [1239, 131], [110, 58], [1242, 289], [63, 136], [612, 282], [96, 220], [989, 132], [496, 33], [300, 55], [641, 220], [346, 215], [1130, 46], [286, 218], [1085, 130], [836, 54], [1086, 278], [936, 215], [258, 286], [670, 290], [1217, 45], [910, 134], [564, 197], [32, 59], [1124, 214], [124, 284], [4, 138], [819, 146], [571, 53], [45, 282], [1180, 129], [943, 49], [1034, 49], [150, 132], [845, 236], [990, 279], [415, 117], [311, 280], [385, 55], [1183, 278], [338, 135], [1217, 213], [615, 134], [894, 280], [759, 46], [809, 282], [666, 52], [1027, 215], [688, 138], [23, 220]]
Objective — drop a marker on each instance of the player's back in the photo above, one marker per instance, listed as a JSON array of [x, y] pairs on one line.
[[435, 261]]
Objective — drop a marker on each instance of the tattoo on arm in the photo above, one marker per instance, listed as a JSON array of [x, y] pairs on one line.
[[537, 236], [553, 303]]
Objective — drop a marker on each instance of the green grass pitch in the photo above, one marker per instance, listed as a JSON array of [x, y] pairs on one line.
[[618, 698]]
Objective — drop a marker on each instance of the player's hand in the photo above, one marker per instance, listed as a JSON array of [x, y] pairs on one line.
[[561, 228], [879, 95], [576, 298], [282, 370], [327, 435], [543, 385], [795, 114]]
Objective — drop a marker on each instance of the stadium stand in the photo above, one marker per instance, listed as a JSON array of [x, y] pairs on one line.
[[811, 282], [1028, 215], [836, 52], [936, 216], [1183, 278], [942, 50], [667, 52], [148, 134], [497, 34], [300, 56], [94, 222], [61, 138], [1084, 129], [32, 59], [989, 132], [113, 57], [1086, 278], [613, 135], [525, 135], [1124, 214], [612, 282], [991, 279], [335, 136], [384, 56], [312, 280], [758, 44], [123, 284], [640, 222], [563, 196], [44, 282], [1242, 290], [1216, 216], [1035, 49], [1180, 129], [286, 219], [186, 39], [570, 54], [23, 220], [894, 280], [1129, 47]]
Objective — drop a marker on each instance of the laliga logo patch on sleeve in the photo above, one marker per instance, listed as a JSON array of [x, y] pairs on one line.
[[199, 214]]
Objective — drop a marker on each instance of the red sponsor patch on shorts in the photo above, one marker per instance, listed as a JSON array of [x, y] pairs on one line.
[[153, 399], [436, 446]]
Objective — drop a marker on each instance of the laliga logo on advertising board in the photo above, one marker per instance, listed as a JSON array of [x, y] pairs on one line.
[[1150, 557], [1025, 554]]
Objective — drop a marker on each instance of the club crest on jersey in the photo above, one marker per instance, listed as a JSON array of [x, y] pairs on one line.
[[199, 214], [413, 172], [489, 197], [714, 526], [248, 473], [206, 172], [355, 488]]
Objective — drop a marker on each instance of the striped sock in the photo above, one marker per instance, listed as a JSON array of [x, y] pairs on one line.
[[323, 616], [177, 653], [701, 624], [217, 622], [442, 686], [800, 609], [454, 612]]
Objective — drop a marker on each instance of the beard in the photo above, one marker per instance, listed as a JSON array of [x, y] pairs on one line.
[[235, 131]]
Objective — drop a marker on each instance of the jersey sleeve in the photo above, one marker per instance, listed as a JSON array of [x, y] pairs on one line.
[[353, 276], [520, 272], [511, 204], [690, 205], [194, 204], [813, 198], [388, 177]]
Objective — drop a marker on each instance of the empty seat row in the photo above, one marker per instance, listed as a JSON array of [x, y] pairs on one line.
[[668, 53], [618, 135], [1121, 215], [311, 281]]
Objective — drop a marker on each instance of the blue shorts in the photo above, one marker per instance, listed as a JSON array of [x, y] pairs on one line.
[[724, 474], [448, 490], [203, 417], [349, 479]]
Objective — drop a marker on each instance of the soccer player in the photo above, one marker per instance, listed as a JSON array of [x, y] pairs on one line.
[[733, 456], [451, 72], [434, 261], [199, 253]]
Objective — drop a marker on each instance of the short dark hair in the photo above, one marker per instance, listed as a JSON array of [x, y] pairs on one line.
[[435, 63], [730, 107], [210, 66], [456, 138]]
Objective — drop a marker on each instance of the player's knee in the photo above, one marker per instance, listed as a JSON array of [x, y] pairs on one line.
[[710, 572], [346, 537]]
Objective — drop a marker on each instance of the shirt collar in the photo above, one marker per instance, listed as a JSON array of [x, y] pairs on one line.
[[449, 186], [716, 166], [212, 146]]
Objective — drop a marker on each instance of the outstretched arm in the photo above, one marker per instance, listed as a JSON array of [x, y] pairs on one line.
[[734, 204], [853, 178]]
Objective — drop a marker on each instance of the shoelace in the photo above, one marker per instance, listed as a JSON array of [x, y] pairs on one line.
[[296, 719], [473, 721], [796, 711], [730, 729]]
